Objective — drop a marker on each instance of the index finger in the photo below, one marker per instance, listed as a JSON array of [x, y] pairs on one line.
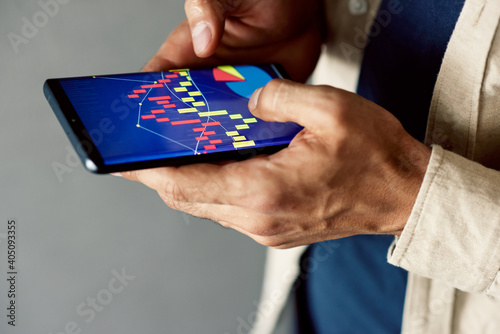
[[177, 52], [206, 19], [200, 183]]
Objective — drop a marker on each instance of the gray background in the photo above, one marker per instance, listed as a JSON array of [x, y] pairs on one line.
[[191, 276]]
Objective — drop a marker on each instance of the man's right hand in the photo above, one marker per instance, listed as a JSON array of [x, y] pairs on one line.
[[219, 32]]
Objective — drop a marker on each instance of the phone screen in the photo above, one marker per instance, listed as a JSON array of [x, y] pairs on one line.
[[178, 113]]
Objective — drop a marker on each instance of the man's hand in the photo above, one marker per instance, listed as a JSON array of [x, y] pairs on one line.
[[224, 32], [353, 169]]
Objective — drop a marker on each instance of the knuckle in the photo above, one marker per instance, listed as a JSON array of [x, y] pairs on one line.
[[131, 175], [169, 201], [186, 207], [173, 192], [195, 9], [266, 227], [268, 202], [272, 241], [200, 9], [273, 93], [336, 111], [191, 7], [274, 85], [223, 223]]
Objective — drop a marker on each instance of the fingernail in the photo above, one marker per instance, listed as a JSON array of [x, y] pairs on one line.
[[116, 174], [252, 104], [202, 35]]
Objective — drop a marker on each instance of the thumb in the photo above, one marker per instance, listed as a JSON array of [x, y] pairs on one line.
[[206, 20], [287, 101]]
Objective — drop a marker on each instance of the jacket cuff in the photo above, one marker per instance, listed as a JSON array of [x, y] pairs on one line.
[[453, 231]]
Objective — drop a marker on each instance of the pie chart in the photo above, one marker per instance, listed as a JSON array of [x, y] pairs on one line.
[[242, 80]]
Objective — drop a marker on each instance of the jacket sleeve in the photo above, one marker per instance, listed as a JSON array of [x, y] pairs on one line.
[[453, 233]]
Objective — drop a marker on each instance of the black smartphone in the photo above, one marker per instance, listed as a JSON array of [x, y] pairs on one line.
[[143, 120]]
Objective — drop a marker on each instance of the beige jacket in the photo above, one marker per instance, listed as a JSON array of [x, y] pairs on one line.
[[451, 243]]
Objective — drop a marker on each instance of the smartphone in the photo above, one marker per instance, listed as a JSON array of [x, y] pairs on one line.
[[170, 118]]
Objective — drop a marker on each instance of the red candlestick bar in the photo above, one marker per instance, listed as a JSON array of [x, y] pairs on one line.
[[159, 98], [210, 123], [152, 86], [189, 121]]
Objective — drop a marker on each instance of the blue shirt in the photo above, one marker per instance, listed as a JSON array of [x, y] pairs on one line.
[[352, 288]]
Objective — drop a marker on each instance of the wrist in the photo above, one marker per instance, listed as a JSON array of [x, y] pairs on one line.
[[411, 169]]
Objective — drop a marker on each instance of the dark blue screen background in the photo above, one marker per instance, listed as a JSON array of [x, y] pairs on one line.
[[128, 122]]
